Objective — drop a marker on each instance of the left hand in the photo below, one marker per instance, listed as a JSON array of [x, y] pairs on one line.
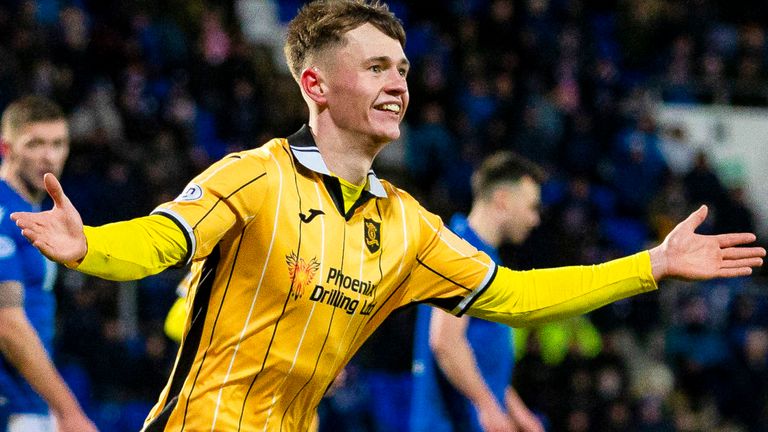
[[58, 232], [686, 255]]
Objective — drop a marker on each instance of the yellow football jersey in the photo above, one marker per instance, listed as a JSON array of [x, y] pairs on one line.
[[287, 285]]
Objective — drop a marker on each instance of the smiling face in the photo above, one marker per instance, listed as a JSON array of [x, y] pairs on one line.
[[365, 89]]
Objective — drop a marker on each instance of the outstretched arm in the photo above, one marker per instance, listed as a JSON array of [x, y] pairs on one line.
[[687, 255], [535, 296], [124, 250], [58, 232]]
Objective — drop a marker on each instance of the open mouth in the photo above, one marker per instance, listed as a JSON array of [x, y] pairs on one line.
[[389, 107]]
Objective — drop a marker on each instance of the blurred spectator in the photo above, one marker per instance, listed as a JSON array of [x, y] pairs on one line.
[[581, 149], [433, 156], [746, 397], [703, 186], [698, 354], [714, 86], [668, 204], [735, 213], [542, 129], [639, 166], [677, 150]]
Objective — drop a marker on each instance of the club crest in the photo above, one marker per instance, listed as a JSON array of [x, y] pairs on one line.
[[372, 235]]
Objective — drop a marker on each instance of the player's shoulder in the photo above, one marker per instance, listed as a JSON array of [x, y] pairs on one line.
[[400, 200], [238, 169], [10, 202], [5, 215], [246, 162], [274, 150], [242, 168], [396, 194], [266, 150], [8, 232], [7, 195]]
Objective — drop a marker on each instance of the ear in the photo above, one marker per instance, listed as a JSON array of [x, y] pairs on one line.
[[502, 196], [3, 148], [311, 82], [499, 199]]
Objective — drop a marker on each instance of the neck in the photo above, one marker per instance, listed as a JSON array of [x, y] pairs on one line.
[[24, 189], [347, 155], [485, 224]]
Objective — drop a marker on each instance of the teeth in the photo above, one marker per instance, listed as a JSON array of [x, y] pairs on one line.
[[391, 107]]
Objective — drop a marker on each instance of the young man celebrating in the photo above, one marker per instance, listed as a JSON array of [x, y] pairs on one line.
[[462, 366], [299, 251], [35, 141]]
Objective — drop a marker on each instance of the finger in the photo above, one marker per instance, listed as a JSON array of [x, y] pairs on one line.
[[30, 235], [17, 216], [733, 253], [696, 218], [21, 221], [734, 239], [55, 190], [26, 224], [44, 248], [733, 272], [744, 262], [32, 230], [26, 221]]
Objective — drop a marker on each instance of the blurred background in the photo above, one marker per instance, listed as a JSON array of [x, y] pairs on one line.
[[640, 110]]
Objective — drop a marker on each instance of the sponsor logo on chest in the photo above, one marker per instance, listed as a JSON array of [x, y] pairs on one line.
[[338, 290]]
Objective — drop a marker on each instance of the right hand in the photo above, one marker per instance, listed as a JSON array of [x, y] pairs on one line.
[[528, 422], [58, 232], [74, 423], [492, 418]]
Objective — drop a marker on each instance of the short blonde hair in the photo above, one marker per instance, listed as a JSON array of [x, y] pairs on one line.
[[26, 110], [323, 23]]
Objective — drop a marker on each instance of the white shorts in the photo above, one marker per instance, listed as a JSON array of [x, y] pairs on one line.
[[31, 422]]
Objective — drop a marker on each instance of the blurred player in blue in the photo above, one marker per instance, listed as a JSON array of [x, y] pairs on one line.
[[463, 365], [33, 396]]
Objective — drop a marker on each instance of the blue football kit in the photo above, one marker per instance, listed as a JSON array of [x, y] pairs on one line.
[[22, 262], [437, 405]]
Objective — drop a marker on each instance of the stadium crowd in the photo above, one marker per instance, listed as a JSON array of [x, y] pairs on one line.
[[157, 91]]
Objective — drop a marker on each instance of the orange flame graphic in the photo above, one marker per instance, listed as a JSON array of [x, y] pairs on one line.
[[302, 273]]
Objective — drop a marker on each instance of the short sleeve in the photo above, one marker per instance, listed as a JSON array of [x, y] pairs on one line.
[[449, 272], [227, 194], [10, 262]]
